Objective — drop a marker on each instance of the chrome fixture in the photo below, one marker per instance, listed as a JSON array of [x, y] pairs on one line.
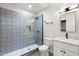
[[48, 22], [66, 35], [69, 9]]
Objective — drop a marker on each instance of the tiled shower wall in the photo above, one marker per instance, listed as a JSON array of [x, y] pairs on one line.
[[14, 31]]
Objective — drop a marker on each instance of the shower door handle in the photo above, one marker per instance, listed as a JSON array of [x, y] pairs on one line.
[[38, 31]]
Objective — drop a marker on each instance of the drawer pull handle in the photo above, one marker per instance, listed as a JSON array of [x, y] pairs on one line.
[[61, 51], [64, 52]]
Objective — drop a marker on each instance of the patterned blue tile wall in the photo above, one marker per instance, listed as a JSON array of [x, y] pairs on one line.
[[14, 33]]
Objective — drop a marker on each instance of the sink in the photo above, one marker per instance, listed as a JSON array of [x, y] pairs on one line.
[[69, 41]]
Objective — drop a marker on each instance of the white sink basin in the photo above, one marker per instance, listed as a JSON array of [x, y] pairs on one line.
[[70, 41]]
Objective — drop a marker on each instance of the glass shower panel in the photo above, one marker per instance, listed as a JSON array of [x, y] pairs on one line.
[[39, 30], [16, 31]]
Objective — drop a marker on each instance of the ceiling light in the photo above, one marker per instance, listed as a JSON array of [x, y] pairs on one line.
[[73, 6], [29, 6]]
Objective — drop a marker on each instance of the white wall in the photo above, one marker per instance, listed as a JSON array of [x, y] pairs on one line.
[[52, 14]]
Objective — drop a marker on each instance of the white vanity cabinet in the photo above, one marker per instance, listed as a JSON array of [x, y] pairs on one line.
[[69, 53], [57, 51], [64, 49]]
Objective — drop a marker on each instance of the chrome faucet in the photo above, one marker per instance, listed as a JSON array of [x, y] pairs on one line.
[[66, 35]]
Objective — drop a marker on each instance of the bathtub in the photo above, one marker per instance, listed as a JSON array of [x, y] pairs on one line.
[[22, 51]]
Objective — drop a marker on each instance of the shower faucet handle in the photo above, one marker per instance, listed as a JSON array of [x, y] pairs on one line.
[[38, 31]]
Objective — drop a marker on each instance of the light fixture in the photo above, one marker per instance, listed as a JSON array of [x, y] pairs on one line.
[[32, 21], [29, 6], [69, 9], [73, 6]]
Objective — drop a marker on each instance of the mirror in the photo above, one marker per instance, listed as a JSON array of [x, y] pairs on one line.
[[67, 21]]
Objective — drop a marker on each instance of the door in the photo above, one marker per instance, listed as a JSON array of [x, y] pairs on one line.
[[39, 30], [57, 51]]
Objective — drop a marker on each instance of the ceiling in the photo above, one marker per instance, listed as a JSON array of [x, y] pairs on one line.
[[36, 7]]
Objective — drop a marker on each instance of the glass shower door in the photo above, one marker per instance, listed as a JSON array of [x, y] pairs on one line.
[[39, 30]]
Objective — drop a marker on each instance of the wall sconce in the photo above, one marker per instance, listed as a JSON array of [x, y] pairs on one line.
[[67, 9]]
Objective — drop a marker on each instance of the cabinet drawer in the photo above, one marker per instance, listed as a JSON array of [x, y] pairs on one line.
[[68, 53], [67, 46], [70, 47], [57, 51]]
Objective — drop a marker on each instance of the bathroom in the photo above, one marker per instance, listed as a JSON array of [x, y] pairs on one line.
[[39, 29]]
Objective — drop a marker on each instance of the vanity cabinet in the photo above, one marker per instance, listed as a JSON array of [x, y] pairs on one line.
[[69, 53], [64, 49], [57, 51]]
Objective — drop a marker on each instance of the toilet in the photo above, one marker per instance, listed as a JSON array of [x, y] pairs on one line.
[[44, 49]]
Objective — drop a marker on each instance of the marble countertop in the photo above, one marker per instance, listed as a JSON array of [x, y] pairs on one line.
[[64, 40], [69, 41]]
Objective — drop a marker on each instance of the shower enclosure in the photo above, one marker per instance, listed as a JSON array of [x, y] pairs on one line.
[[18, 30], [39, 30]]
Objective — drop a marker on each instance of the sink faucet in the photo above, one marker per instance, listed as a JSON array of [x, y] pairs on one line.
[[66, 35]]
